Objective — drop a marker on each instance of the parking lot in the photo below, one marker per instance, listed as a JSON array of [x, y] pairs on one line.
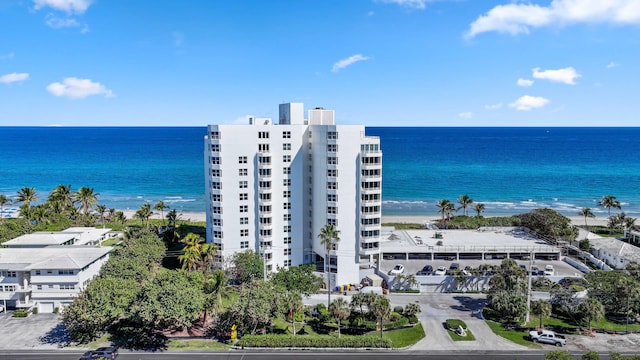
[[40, 331]]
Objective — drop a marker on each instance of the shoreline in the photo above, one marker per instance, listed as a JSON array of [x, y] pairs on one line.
[[402, 219]]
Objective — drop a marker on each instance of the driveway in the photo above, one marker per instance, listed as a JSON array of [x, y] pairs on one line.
[[40, 331]]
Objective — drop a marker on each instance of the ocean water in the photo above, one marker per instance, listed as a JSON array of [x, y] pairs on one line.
[[510, 170]]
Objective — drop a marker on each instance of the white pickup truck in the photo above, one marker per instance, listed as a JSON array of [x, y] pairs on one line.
[[547, 337]]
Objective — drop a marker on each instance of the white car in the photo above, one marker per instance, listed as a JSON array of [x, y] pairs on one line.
[[548, 270], [441, 270], [398, 269]]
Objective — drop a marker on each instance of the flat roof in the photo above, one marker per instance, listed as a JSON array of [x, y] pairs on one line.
[[83, 235], [483, 239], [57, 257]]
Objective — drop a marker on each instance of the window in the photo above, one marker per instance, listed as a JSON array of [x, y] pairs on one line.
[[244, 208], [242, 172], [65, 272], [332, 160], [332, 147], [216, 172], [265, 197], [332, 185], [332, 197], [286, 158], [39, 287], [263, 147], [216, 185], [242, 159], [264, 185], [217, 222], [264, 160], [370, 197], [286, 217], [215, 135], [286, 228], [67, 286], [287, 252], [265, 232], [244, 244], [244, 220], [333, 222], [286, 146], [216, 197], [244, 232], [286, 170], [243, 184], [332, 210], [265, 208], [287, 263], [37, 272], [264, 172], [332, 173], [216, 210], [263, 135], [244, 196], [286, 194], [287, 240], [215, 147], [217, 234], [215, 160], [12, 274], [332, 135], [265, 221], [286, 205], [286, 134]]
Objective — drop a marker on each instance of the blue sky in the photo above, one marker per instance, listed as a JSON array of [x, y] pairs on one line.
[[376, 62]]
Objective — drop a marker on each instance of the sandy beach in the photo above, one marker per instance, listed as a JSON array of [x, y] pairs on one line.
[[406, 219]]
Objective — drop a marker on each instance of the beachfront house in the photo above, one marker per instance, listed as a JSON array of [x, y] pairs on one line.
[[272, 187], [87, 236]]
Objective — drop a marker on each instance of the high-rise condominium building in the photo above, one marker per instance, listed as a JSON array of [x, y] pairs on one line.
[[272, 187]]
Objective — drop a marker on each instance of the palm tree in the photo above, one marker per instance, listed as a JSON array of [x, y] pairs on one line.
[[630, 223], [479, 208], [329, 237], [27, 195], [144, 213], [381, 309], [101, 209], [215, 289], [120, 217], [541, 308], [339, 309], [4, 200], [586, 212], [591, 309], [608, 202], [86, 197], [160, 206], [464, 201], [61, 197], [446, 207], [292, 301], [208, 254]]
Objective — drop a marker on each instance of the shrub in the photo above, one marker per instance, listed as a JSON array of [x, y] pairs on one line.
[[398, 309], [20, 313], [314, 341], [34, 310], [413, 319], [395, 316], [56, 310], [396, 324]]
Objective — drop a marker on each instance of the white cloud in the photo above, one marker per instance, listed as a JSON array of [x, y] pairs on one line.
[[68, 6], [9, 56], [493, 106], [525, 82], [612, 65], [57, 23], [416, 4], [75, 88], [567, 75], [519, 18], [466, 115], [348, 61], [14, 77], [526, 103]]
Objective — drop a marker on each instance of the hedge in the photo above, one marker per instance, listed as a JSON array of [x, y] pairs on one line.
[[20, 313], [396, 324], [313, 341]]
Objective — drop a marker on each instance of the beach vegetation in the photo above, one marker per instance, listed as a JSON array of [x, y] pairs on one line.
[[586, 213], [479, 208], [446, 208], [464, 201], [87, 198], [608, 202], [549, 225]]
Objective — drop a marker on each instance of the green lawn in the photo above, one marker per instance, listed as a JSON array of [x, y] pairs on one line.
[[111, 242], [564, 323], [518, 337], [196, 345], [453, 324], [402, 338]]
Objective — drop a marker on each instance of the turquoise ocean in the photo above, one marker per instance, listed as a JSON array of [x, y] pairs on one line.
[[510, 170]]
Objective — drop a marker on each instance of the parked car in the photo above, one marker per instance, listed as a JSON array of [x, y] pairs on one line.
[[440, 271], [108, 352], [453, 267], [548, 270], [426, 270], [547, 337], [398, 269]]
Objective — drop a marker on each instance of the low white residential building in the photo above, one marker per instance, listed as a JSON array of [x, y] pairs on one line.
[[614, 252], [49, 277], [72, 236]]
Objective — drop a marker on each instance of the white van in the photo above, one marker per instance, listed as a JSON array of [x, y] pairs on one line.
[[548, 270]]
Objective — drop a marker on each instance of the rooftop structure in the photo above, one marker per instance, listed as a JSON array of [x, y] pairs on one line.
[[70, 236]]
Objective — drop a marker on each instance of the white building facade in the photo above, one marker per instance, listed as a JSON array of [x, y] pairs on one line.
[[272, 187]]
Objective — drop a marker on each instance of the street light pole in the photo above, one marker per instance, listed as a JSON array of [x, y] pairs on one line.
[[528, 317]]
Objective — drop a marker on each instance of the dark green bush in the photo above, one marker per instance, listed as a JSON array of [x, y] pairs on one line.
[[394, 317], [398, 309], [396, 324], [413, 319], [313, 341], [20, 313]]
